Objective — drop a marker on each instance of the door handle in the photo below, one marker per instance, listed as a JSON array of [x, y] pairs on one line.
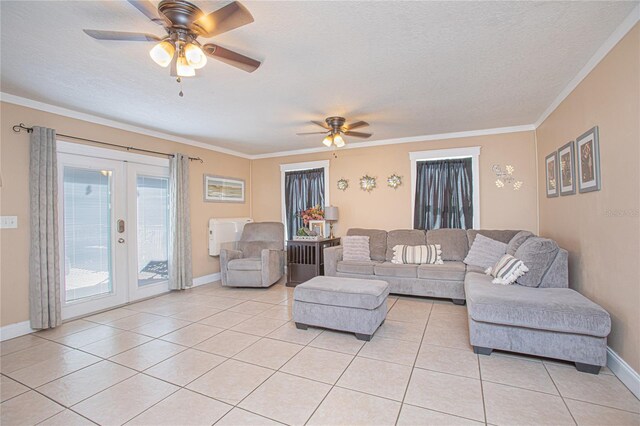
[[121, 240], [120, 226]]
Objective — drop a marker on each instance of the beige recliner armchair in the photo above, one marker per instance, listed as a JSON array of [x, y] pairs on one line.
[[258, 260]]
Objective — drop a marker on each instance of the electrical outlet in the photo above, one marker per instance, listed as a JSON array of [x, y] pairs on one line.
[[8, 222]]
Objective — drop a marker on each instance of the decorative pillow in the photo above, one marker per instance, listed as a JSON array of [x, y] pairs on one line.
[[517, 241], [537, 254], [507, 270], [355, 248], [417, 254], [485, 252]]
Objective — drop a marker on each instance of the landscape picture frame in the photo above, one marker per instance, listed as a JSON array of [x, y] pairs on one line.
[[588, 161], [551, 174], [223, 189], [567, 169]]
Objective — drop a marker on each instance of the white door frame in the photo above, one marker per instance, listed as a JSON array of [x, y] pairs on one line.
[[290, 167], [472, 152]]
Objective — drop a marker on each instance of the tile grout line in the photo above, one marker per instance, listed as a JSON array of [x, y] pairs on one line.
[[560, 394]]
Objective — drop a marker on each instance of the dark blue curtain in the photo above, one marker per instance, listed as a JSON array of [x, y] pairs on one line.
[[444, 194], [302, 189]]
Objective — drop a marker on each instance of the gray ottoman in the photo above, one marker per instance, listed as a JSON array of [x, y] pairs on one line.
[[345, 304]]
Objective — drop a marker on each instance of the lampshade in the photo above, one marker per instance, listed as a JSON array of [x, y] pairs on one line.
[[183, 68], [337, 139], [330, 213], [195, 56], [162, 53], [328, 141]]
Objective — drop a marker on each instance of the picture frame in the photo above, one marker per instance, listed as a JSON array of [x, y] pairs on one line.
[[318, 226], [551, 170], [567, 169], [588, 161], [223, 189]]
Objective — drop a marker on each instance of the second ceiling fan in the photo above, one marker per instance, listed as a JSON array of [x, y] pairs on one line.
[[335, 127]]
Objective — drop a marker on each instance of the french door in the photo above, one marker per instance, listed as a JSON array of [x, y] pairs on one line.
[[114, 227]]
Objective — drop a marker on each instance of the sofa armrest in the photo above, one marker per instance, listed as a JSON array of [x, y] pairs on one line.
[[226, 256], [272, 266], [332, 255]]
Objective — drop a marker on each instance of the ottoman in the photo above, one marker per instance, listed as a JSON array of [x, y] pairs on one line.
[[346, 304]]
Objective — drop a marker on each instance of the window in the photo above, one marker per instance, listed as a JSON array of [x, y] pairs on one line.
[[304, 185], [445, 188]]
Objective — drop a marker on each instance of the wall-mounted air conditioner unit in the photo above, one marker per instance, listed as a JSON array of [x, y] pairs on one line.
[[223, 231]]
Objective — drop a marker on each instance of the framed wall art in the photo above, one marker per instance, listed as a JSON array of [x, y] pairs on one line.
[[222, 189], [551, 168], [588, 161], [566, 162]]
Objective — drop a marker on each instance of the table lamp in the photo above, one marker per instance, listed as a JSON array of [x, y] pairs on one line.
[[331, 215]]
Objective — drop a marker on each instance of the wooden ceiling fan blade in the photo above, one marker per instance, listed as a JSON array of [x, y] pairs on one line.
[[121, 35], [150, 11], [231, 58], [358, 134], [321, 124], [356, 125], [227, 18], [311, 133]]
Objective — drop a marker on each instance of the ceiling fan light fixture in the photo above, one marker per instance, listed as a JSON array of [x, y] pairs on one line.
[[162, 53], [183, 68], [195, 56], [328, 141], [337, 139]]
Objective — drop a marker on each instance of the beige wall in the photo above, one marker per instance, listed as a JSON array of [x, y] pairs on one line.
[[14, 196], [601, 229], [386, 208]]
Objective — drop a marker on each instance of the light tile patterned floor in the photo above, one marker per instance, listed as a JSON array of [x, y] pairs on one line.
[[214, 355]]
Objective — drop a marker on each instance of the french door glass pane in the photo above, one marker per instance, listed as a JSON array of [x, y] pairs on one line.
[[153, 225], [87, 232]]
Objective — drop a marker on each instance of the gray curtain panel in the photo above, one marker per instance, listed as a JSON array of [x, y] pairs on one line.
[[302, 189], [444, 194], [44, 262], [180, 272]]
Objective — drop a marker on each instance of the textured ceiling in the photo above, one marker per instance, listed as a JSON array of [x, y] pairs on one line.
[[408, 68]]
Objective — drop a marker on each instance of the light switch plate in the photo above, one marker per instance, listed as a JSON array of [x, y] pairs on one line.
[[8, 222]]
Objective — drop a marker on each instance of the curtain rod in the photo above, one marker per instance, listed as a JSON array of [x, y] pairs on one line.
[[20, 127]]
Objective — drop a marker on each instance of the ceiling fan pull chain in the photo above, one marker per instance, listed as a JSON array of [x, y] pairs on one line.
[[179, 80]]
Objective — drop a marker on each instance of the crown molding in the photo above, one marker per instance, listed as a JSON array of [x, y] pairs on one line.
[[395, 141], [606, 47], [41, 106]]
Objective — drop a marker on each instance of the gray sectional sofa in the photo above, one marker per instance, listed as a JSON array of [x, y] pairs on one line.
[[541, 316]]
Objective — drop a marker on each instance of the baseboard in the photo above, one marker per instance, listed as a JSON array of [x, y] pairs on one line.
[[21, 328], [625, 373], [206, 279], [15, 330]]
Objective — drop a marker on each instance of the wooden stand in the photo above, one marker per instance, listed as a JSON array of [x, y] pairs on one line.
[[305, 259]]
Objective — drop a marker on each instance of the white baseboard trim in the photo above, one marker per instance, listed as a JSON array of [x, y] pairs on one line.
[[206, 279], [15, 330], [624, 372], [18, 329]]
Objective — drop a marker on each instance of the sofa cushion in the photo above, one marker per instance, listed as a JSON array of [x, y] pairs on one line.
[[388, 269], [356, 247], [346, 292], [454, 242], [377, 241], [485, 252], [538, 255], [245, 264], [517, 241], [504, 236], [554, 309], [408, 237], [355, 267], [451, 271]]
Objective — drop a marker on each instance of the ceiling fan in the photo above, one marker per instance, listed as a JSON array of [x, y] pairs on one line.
[[335, 127], [184, 23]]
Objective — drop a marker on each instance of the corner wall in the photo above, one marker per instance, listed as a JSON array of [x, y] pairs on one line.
[[601, 230]]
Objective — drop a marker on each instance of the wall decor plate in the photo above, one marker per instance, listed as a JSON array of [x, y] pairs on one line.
[[343, 184], [551, 168], [567, 167], [367, 183], [394, 181], [588, 161]]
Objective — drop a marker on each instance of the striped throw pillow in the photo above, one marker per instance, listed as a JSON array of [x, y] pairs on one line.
[[356, 248], [417, 254], [507, 270]]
